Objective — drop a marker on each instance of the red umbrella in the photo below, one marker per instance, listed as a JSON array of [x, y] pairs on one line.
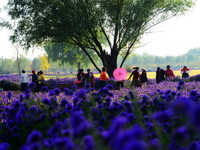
[[120, 74]]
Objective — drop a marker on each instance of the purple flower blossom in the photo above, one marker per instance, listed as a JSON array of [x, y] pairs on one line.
[[89, 143], [34, 136], [63, 143], [9, 94], [46, 101], [4, 146]]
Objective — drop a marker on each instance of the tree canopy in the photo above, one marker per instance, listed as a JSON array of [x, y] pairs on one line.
[[65, 53], [108, 27]]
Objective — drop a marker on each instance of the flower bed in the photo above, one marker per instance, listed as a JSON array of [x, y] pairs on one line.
[[97, 120]]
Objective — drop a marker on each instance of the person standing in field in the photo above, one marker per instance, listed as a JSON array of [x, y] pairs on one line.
[[185, 72], [160, 75], [143, 78], [89, 78], [136, 77], [103, 77], [41, 80], [24, 80], [169, 73], [35, 80], [80, 78], [34, 77]]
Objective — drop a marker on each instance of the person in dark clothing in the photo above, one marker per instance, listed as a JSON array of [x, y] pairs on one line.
[[162, 75], [185, 72], [80, 78], [89, 77], [35, 80], [34, 77], [158, 75], [143, 78], [136, 77]]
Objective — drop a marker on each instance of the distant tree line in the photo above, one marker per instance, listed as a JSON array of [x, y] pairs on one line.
[[150, 62]]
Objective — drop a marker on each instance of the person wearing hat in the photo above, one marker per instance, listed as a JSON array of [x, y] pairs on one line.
[[136, 77]]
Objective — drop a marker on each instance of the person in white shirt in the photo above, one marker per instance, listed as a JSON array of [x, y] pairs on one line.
[[24, 80]]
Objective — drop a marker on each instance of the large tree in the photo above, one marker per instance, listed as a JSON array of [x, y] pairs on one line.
[[89, 23]]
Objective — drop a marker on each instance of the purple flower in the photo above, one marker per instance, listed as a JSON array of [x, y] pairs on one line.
[[155, 144], [33, 109], [51, 93], [9, 95], [21, 97], [32, 85], [194, 146], [79, 124], [89, 143], [63, 143], [63, 102], [181, 106], [135, 145], [44, 89], [137, 132], [34, 136], [46, 101], [68, 92], [81, 93], [55, 129], [4, 146], [181, 134], [163, 116], [196, 116], [109, 86], [74, 87], [57, 91]]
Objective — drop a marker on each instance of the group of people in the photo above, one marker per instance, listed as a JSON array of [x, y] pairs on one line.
[[88, 79], [138, 79], [37, 79], [85, 78], [168, 74]]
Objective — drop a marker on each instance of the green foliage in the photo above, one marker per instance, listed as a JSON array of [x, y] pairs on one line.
[[10, 65], [65, 53], [115, 25]]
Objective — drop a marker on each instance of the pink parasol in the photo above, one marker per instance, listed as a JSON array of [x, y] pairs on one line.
[[120, 74]]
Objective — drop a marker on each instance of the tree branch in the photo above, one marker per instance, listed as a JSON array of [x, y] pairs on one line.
[[85, 51], [129, 48], [104, 32]]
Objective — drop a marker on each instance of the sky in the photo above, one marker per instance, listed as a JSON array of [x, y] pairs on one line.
[[171, 38]]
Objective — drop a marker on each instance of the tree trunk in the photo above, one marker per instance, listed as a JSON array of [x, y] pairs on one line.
[[111, 64]]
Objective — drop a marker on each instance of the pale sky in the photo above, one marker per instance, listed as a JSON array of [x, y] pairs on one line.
[[173, 37]]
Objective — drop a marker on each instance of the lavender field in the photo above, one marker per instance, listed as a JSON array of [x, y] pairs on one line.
[[163, 116]]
